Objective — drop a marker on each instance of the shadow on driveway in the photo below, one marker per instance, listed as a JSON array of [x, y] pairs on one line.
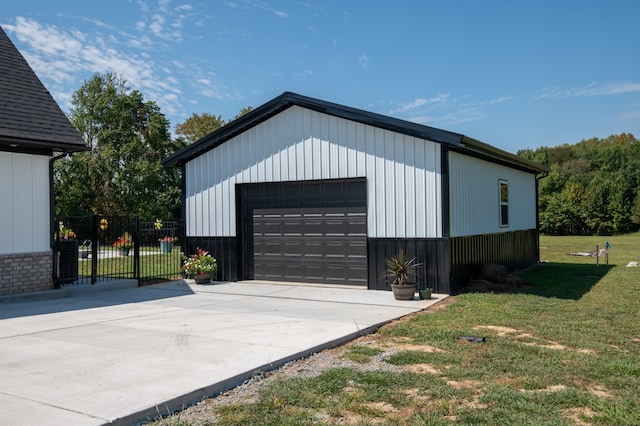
[[84, 297]]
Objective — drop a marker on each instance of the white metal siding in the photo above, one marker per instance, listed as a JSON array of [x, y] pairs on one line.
[[475, 198], [24, 210], [403, 183]]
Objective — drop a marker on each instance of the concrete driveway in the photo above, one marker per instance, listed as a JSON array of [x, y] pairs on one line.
[[123, 356]]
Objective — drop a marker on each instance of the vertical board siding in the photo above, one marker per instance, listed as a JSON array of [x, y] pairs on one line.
[[403, 190], [431, 254], [474, 197], [514, 250], [24, 212]]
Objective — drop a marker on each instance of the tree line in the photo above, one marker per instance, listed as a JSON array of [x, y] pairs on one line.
[[593, 187], [129, 137]]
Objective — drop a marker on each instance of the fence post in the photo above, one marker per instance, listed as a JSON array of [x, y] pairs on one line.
[[94, 248], [136, 249]]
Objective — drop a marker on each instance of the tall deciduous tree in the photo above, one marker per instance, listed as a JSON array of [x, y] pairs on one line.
[[122, 174], [593, 186], [198, 126]]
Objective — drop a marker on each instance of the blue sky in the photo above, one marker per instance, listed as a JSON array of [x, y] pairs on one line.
[[512, 74]]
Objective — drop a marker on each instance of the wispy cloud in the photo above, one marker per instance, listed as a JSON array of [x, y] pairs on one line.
[[592, 89], [420, 102], [164, 22], [449, 119], [363, 60], [59, 56], [445, 109], [497, 100], [629, 116], [262, 6]]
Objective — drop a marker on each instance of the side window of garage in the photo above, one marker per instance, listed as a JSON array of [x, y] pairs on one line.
[[504, 203]]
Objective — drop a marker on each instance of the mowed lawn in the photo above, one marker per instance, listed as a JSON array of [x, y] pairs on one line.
[[564, 351]]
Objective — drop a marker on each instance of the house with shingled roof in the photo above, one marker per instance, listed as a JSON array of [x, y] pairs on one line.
[[34, 132]]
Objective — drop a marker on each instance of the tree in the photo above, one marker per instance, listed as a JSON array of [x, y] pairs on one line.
[[200, 125], [593, 187], [122, 174]]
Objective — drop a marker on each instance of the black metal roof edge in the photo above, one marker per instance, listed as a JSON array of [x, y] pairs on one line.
[[226, 132], [288, 99], [21, 144], [486, 151], [47, 152]]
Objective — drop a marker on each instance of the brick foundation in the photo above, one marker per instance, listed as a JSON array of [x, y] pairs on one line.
[[25, 272]]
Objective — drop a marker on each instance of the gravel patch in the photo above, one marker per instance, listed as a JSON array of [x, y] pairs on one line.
[[247, 393]]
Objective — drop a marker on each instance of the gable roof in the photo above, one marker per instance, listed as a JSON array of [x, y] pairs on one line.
[[286, 100], [30, 119]]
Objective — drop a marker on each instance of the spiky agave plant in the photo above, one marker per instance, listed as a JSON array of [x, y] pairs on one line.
[[401, 268]]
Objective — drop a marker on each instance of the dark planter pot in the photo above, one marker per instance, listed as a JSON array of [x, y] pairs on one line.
[[203, 278], [166, 247], [67, 265], [124, 251], [425, 293], [404, 292]]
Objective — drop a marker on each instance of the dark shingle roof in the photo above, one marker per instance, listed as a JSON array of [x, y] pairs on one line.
[[30, 119]]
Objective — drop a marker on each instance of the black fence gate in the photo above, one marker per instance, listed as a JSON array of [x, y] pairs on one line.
[[93, 248]]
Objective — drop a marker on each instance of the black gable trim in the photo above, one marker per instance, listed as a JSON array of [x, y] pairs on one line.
[[452, 140], [489, 153], [289, 99]]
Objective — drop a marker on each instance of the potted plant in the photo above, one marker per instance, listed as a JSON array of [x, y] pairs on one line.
[[166, 243], [66, 244], [66, 233], [124, 244], [425, 293], [200, 266], [402, 270]]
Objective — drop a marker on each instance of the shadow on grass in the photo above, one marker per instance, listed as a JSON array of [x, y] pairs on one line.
[[563, 280]]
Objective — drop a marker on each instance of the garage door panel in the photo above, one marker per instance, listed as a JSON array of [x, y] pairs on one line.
[[307, 231]]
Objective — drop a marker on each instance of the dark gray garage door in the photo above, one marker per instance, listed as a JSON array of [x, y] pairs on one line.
[[312, 231]]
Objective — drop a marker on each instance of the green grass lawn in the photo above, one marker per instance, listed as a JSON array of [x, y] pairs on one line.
[[152, 264], [563, 351]]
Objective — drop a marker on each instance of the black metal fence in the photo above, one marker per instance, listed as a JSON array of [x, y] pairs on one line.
[[88, 249]]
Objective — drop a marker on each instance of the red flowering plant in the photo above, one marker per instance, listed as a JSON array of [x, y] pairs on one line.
[[66, 233], [198, 264], [124, 242], [167, 239]]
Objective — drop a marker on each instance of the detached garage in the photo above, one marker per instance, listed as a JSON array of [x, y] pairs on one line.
[[304, 190]]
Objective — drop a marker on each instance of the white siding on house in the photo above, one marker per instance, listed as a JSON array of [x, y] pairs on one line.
[[24, 210], [475, 198], [297, 144]]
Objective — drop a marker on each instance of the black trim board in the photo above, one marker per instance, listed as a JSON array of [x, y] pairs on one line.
[[444, 191]]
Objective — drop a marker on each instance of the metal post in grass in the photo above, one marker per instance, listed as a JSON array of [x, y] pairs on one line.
[[597, 255]]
